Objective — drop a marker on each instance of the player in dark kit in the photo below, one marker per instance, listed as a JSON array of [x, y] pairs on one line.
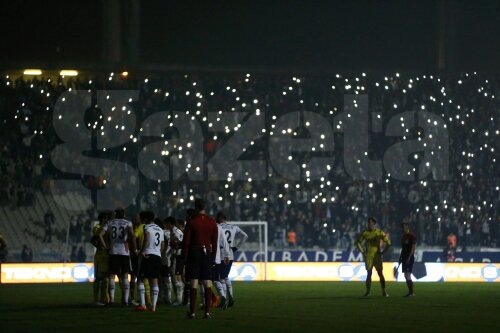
[[199, 249], [407, 258]]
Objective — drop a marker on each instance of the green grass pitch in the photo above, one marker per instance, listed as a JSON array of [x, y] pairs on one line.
[[264, 307]]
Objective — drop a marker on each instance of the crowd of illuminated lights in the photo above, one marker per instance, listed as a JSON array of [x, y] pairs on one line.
[[455, 115]]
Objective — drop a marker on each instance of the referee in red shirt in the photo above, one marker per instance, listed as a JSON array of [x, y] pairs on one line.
[[199, 249]]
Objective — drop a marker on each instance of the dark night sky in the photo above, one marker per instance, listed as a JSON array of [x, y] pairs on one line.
[[297, 34]]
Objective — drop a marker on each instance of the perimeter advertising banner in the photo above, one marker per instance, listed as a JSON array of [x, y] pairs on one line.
[[355, 256], [276, 271], [46, 272]]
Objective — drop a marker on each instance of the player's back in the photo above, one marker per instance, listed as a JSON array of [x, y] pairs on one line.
[[224, 246], [155, 237], [201, 227], [230, 231], [118, 231]]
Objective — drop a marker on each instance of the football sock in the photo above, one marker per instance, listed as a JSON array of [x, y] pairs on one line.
[[229, 287], [154, 295], [368, 282], [220, 289], [112, 289], [168, 295], [126, 289], [142, 293], [208, 299], [382, 282], [192, 296], [178, 291]]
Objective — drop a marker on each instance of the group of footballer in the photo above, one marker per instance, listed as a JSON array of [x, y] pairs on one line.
[[171, 255], [376, 243], [149, 257]]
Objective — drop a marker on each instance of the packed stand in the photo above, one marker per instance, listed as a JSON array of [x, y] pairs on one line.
[[325, 212]]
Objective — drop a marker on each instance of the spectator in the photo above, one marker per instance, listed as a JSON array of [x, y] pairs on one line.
[[48, 222], [485, 233], [450, 250], [292, 238], [81, 256], [468, 235], [72, 230], [3, 249], [74, 255], [452, 240], [279, 238], [472, 188], [27, 254]]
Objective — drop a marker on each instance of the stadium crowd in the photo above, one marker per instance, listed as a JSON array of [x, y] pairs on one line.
[[326, 212]]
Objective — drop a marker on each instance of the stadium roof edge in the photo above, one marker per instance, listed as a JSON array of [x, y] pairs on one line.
[[158, 68]]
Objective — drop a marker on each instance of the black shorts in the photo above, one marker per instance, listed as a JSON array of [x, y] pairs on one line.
[[222, 270], [408, 268], [165, 271], [150, 267], [134, 261], [199, 266], [119, 264], [179, 265]]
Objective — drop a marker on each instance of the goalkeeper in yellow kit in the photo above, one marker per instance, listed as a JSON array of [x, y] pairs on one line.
[[373, 252]]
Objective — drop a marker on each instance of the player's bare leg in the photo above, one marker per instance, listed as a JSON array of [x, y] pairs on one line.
[[104, 291], [382, 281], [409, 283], [368, 282], [96, 287], [101, 290]]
